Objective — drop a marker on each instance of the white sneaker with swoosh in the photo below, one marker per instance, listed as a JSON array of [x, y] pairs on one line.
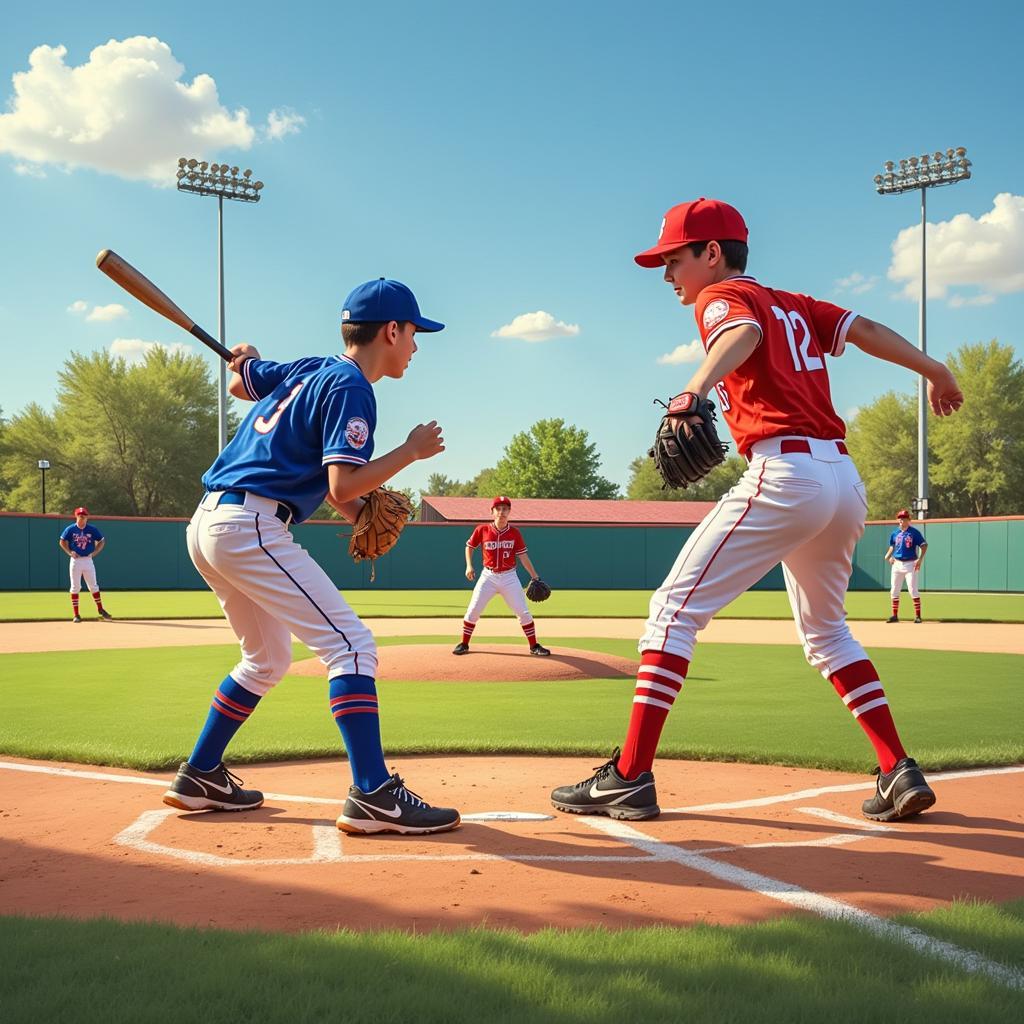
[[607, 792], [393, 808], [215, 790]]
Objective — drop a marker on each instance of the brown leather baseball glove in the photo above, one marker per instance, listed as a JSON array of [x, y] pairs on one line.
[[379, 525]]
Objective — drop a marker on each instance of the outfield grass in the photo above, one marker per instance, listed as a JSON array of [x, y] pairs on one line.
[[143, 709], [760, 604], [798, 968]]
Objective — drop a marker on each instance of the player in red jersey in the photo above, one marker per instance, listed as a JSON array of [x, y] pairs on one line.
[[801, 502], [502, 545]]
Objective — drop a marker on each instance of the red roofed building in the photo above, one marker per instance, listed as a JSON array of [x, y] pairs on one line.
[[568, 511]]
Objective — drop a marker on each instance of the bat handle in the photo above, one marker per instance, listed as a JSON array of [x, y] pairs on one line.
[[211, 342]]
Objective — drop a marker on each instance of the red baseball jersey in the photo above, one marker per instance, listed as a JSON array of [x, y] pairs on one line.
[[500, 546], [783, 386]]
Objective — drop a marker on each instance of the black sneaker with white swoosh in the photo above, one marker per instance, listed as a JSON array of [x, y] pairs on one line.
[[215, 790], [393, 808], [607, 792], [901, 793]]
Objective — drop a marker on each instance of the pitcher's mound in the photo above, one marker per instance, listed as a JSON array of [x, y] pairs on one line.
[[486, 663]]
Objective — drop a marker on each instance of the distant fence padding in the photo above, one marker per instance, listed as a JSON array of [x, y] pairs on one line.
[[149, 554]]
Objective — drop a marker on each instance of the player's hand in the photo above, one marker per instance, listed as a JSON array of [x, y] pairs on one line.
[[891, 560], [470, 575], [944, 394], [239, 355], [425, 441]]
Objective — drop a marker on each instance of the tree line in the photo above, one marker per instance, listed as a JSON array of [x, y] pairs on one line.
[[134, 439]]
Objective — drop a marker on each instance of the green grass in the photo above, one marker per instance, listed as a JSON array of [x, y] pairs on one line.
[[144, 708], [760, 604], [792, 969]]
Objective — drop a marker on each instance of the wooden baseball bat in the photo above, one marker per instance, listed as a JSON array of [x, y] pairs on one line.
[[121, 272]]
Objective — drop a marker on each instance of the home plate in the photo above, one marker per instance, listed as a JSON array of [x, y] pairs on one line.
[[507, 816]]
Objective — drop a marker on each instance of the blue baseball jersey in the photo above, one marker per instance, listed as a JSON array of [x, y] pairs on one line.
[[306, 415], [81, 539], [904, 544]]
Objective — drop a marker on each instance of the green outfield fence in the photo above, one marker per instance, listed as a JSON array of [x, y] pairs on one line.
[[149, 554]]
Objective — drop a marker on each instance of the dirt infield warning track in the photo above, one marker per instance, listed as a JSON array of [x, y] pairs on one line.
[[29, 637], [736, 843]]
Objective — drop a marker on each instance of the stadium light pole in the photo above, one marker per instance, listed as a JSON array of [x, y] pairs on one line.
[[922, 173], [206, 179], [43, 467]]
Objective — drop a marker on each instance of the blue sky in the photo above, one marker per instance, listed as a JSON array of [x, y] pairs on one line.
[[503, 164]]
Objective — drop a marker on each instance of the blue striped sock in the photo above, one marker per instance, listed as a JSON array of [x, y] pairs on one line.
[[354, 706], [232, 705]]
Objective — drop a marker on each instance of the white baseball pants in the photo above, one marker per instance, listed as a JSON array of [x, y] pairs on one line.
[[805, 510], [904, 571], [83, 568], [270, 588], [505, 583]]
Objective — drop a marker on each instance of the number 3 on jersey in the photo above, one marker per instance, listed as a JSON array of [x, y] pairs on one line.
[[802, 358], [265, 426]]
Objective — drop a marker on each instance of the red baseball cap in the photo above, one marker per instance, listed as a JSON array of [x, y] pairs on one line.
[[703, 220], [903, 514], [81, 511], [501, 500]]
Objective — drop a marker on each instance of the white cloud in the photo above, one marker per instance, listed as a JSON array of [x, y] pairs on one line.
[[78, 306], [851, 414], [29, 171], [134, 349], [114, 311], [283, 122], [539, 326], [857, 283], [126, 111], [986, 254], [692, 352]]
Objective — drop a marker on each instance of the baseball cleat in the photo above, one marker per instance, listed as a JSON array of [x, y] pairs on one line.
[[77, 618], [607, 792], [893, 618], [393, 808], [216, 790], [901, 793], [539, 651], [104, 614], [917, 618], [460, 649]]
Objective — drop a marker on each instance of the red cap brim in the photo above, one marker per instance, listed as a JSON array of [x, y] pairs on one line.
[[651, 258]]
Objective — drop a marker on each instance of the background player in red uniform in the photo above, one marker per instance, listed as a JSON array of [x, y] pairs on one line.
[[801, 502], [502, 545]]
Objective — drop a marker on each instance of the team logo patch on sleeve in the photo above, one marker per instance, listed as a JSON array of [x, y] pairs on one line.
[[715, 312], [357, 432]]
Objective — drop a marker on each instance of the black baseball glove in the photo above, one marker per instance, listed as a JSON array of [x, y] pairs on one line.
[[538, 590], [682, 460]]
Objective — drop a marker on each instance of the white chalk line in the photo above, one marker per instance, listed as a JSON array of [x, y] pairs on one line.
[[824, 906]]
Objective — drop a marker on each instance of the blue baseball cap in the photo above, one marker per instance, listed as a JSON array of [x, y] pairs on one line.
[[383, 300]]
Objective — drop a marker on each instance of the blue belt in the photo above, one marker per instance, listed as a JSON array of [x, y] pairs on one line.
[[284, 513]]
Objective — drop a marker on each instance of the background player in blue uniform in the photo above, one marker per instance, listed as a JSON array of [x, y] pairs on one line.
[[81, 541], [906, 553], [309, 437]]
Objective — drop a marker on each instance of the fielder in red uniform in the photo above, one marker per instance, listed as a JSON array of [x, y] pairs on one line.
[[502, 545], [801, 502]]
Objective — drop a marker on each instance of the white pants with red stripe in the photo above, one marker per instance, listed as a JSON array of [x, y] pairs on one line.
[[270, 588], [83, 568], [904, 571], [505, 583], [804, 510]]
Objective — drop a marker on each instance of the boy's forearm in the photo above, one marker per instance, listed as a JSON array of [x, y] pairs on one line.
[[469, 557], [884, 343], [729, 353], [360, 480]]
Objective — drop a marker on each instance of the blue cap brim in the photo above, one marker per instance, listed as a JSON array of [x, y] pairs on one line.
[[428, 326]]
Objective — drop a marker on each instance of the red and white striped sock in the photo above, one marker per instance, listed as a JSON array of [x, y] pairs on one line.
[[530, 631], [917, 607], [467, 631], [99, 601], [658, 682], [895, 606], [863, 694], [74, 603]]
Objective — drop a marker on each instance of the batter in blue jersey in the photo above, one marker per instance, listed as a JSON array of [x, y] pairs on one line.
[[906, 553], [308, 438]]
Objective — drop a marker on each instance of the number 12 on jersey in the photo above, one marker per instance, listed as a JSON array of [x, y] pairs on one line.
[[802, 357]]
